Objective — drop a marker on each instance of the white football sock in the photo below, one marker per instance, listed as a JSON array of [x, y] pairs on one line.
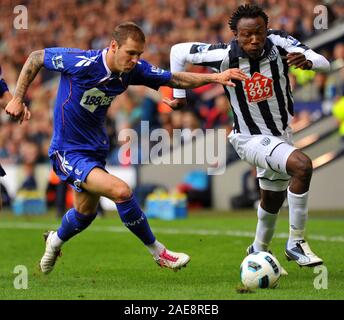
[[56, 242], [155, 248], [298, 215], [265, 229]]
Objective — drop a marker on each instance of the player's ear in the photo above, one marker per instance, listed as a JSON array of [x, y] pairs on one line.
[[113, 45]]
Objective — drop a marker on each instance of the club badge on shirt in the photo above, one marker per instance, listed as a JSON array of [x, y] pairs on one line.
[[57, 61]]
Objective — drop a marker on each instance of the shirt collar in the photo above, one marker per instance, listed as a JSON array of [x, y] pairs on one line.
[[109, 74], [104, 52]]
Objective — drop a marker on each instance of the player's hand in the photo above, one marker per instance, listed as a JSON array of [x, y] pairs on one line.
[[225, 77], [26, 115], [17, 110], [298, 60], [175, 104]]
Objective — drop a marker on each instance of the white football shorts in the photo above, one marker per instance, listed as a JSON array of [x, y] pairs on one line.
[[269, 154]]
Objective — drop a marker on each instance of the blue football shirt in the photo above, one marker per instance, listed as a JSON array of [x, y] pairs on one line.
[[86, 90]]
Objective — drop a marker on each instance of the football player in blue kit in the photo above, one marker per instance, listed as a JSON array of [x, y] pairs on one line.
[[90, 80]]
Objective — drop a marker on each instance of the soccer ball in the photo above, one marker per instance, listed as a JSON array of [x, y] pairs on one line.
[[260, 270]]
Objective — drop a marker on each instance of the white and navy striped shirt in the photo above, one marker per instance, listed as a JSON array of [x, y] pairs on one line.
[[263, 104]]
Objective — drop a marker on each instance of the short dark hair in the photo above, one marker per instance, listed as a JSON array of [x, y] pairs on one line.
[[128, 30], [247, 11]]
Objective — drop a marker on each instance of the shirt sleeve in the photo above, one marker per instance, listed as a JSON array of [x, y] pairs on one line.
[[67, 60], [209, 55], [291, 44], [149, 75], [319, 62], [3, 85], [286, 42]]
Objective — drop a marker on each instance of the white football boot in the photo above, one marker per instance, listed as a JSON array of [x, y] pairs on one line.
[[303, 255], [172, 260], [50, 255]]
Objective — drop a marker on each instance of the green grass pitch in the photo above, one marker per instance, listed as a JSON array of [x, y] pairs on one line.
[[107, 262]]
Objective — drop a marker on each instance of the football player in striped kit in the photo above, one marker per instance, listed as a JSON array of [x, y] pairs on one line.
[[263, 108]]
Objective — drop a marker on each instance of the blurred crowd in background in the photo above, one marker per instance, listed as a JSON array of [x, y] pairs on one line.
[[88, 24]]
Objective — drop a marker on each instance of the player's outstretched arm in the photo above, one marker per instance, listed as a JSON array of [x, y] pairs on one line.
[[16, 108], [189, 80], [186, 80], [308, 60]]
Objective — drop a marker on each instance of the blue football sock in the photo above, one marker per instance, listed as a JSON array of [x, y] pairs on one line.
[[135, 220], [74, 222]]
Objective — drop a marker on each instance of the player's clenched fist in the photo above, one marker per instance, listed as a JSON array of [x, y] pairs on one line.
[[16, 109]]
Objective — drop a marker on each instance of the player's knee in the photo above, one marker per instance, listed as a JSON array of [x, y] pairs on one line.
[[307, 168], [300, 165], [122, 192], [304, 168]]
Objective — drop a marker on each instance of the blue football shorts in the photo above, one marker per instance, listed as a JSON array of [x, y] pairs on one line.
[[74, 166]]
